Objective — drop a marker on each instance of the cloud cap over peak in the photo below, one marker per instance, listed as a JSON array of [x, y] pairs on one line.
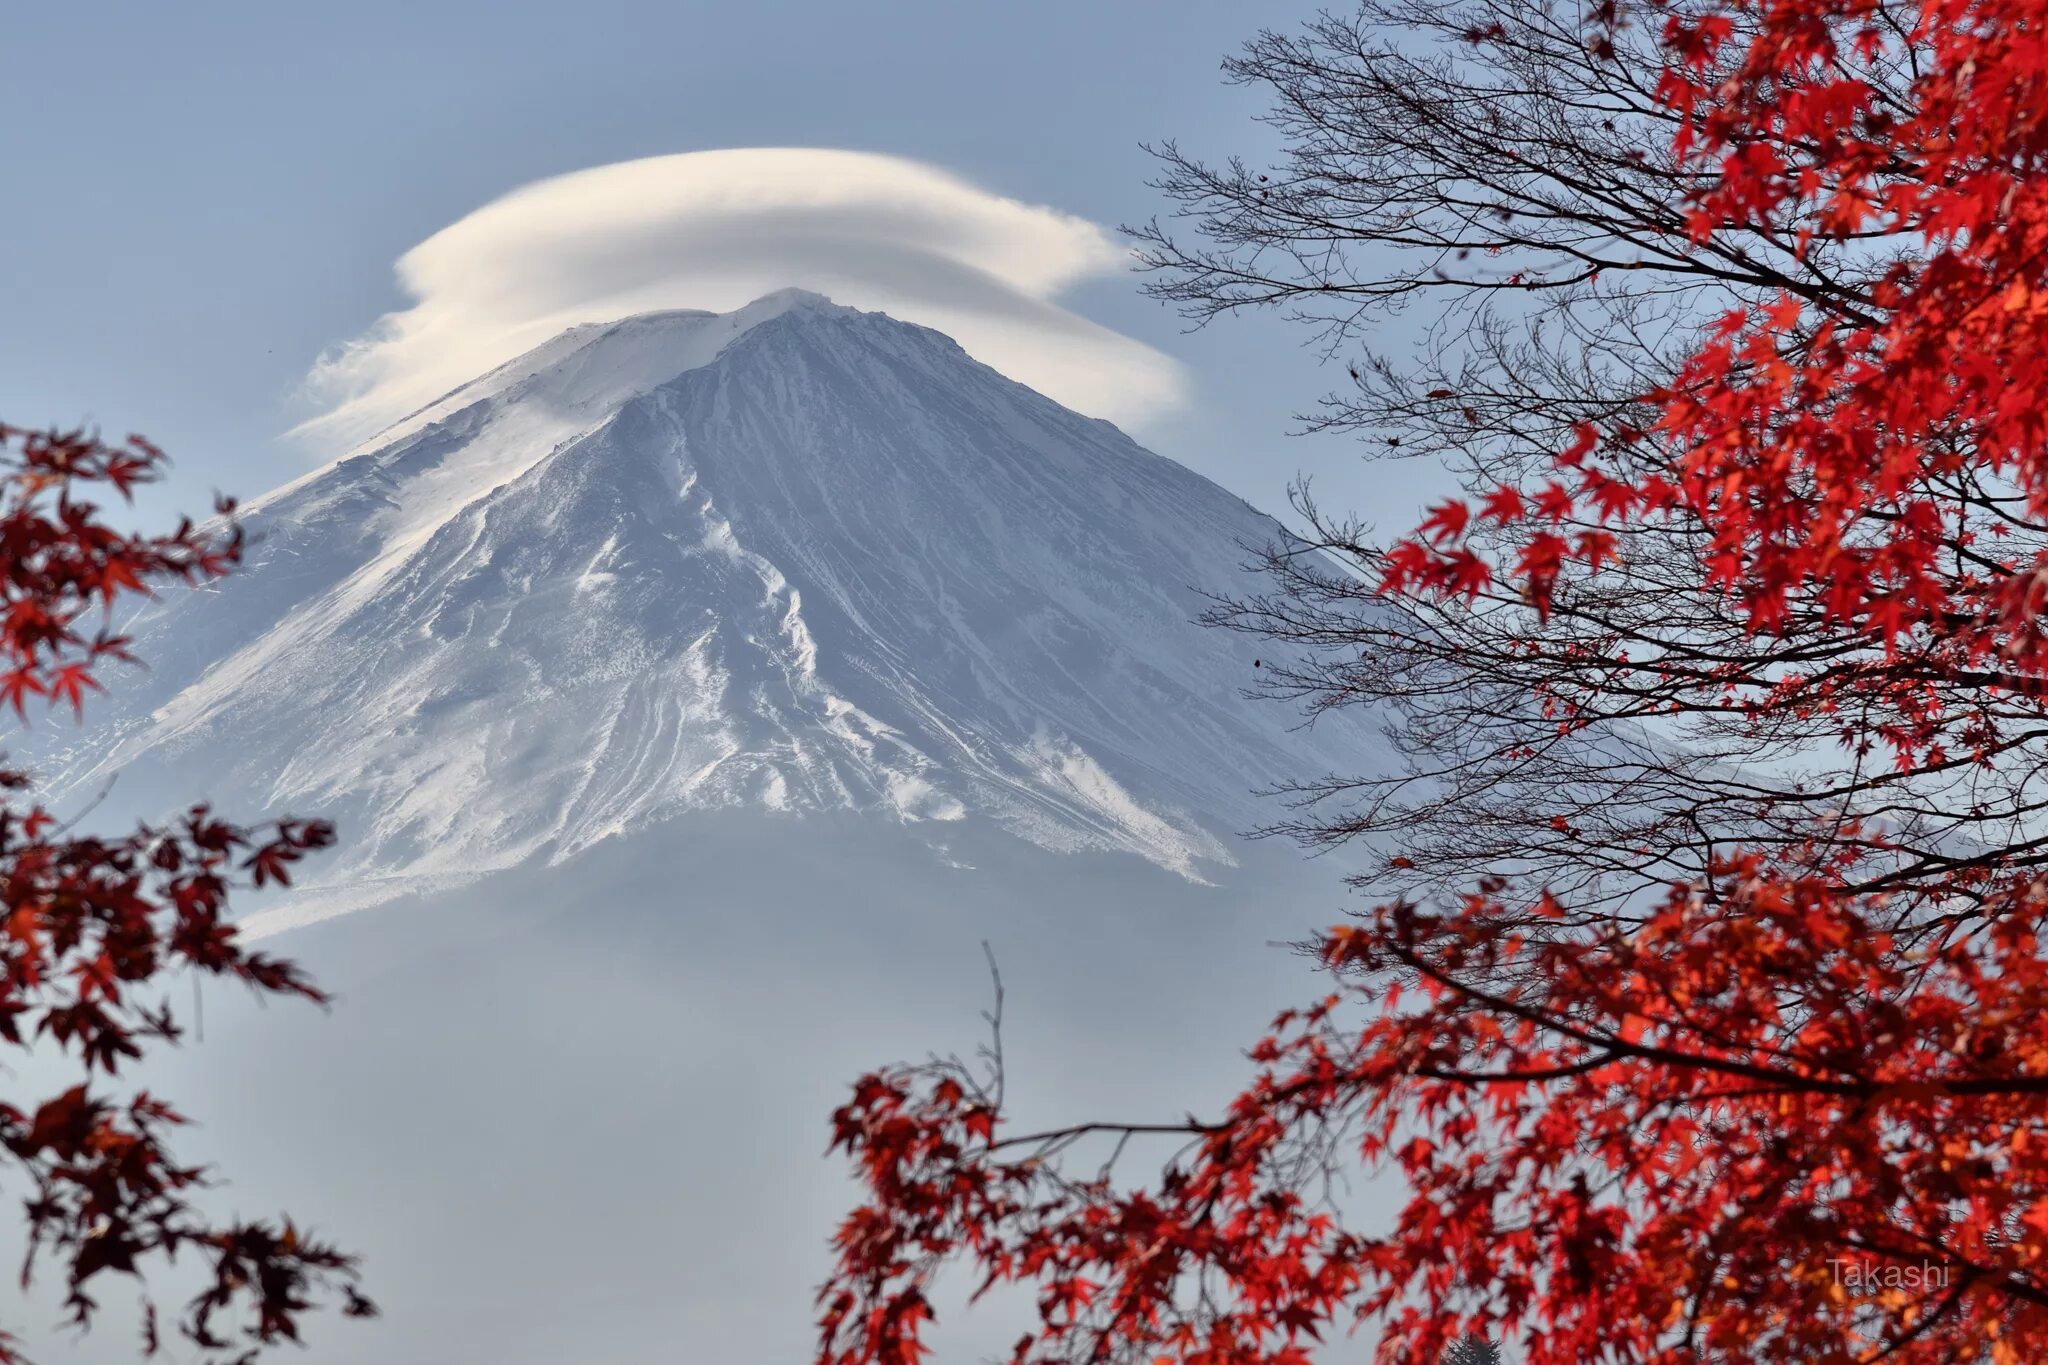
[[716, 229]]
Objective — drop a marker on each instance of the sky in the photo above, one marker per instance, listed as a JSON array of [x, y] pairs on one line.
[[207, 199]]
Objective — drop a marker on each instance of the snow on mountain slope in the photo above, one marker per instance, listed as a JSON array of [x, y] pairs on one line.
[[796, 557]]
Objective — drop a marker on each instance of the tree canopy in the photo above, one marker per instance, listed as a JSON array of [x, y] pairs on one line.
[[1700, 1008]]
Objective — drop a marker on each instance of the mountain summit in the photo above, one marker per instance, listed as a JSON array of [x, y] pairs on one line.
[[795, 557]]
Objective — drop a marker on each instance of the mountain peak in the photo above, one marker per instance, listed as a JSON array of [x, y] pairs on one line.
[[791, 296], [596, 365]]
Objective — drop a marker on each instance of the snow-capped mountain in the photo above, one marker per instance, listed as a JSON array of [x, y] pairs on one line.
[[721, 641], [795, 557]]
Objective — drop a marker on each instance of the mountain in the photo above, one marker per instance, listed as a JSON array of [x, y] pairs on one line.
[[662, 682], [797, 558]]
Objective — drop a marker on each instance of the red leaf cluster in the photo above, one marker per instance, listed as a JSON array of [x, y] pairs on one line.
[[1819, 440], [1755, 1128], [95, 925]]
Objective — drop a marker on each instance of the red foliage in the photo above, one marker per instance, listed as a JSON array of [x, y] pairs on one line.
[[1774, 1115], [1751, 1130], [91, 923], [1821, 443]]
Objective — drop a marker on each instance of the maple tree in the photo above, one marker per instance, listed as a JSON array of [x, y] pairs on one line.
[[1702, 1012], [94, 923]]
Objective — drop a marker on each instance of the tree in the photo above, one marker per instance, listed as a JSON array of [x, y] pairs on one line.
[[1534, 186], [1702, 1008], [1472, 1351], [93, 923]]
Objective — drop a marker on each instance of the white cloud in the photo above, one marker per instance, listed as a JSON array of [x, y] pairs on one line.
[[717, 229]]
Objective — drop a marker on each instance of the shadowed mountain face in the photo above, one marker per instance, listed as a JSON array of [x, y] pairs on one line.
[[795, 558]]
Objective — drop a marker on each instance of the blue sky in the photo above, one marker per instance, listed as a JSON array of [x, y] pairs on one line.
[[206, 196]]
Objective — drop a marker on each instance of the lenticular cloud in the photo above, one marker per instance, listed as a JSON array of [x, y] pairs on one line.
[[716, 229]]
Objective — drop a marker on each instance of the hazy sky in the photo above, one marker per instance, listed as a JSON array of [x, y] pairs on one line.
[[203, 198], [206, 197]]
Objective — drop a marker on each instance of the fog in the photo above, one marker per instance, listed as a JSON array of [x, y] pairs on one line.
[[579, 1115]]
